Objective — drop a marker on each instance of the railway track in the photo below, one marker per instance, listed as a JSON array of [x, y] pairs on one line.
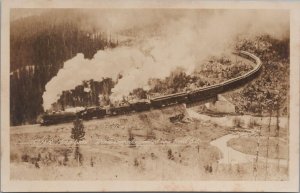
[[190, 97]]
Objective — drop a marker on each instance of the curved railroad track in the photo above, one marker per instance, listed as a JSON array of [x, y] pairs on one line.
[[189, 97]]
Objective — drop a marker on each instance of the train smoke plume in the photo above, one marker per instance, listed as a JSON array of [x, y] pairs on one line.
[[162, 41]]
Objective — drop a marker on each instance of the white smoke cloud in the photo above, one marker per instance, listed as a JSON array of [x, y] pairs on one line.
[[183, 39], [108, 63]]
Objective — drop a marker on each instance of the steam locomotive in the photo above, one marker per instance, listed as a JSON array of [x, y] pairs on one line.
[[94, 112], [196, 95]]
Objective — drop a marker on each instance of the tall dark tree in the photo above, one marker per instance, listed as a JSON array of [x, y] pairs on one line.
[[77, 134]]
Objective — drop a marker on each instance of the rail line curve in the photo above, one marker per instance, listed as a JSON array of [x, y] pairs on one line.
[[189, 97]]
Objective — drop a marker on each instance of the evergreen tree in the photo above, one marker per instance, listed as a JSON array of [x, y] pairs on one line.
[[77, 134]]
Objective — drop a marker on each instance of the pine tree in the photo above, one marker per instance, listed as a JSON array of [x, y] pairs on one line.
[[78, 134]]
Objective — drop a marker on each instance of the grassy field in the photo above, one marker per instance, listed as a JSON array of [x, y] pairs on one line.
[[161, 150], [267, 147]]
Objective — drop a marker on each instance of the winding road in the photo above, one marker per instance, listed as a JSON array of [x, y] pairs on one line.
[[229, 155]]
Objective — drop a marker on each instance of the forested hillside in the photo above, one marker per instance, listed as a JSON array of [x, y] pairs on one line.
[[39, 45], [269, 93]]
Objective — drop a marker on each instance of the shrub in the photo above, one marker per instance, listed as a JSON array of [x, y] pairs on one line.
[[252, 123], [66, 158], [131, 139], [170, 155], [14, 157], [237, 122], [25, 157], [36, 164], [150, 134], [92, 162], [136, 162], [208, 168]]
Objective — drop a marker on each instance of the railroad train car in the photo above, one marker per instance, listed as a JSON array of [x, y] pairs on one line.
[[240, 80], [168, 100], [204, 93], [141, 106], [232, 83], [196, 95]]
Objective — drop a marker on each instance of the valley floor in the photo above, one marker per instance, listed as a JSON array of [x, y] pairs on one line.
[[197, 147]]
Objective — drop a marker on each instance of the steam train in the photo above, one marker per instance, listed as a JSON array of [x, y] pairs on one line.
[[193, 96]]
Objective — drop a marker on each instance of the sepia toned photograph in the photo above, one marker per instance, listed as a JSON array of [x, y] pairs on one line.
[[149, 94]]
